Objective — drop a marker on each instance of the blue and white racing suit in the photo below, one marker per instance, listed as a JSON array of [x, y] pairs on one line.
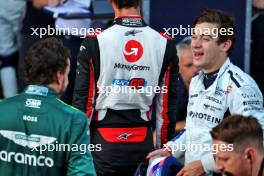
[[233, 92]]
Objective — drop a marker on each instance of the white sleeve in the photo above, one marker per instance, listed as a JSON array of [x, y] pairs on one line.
[[247, 101]]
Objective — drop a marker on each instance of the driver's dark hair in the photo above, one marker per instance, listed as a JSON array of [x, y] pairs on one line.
[[223, 20], [127, 3], [44, 59]]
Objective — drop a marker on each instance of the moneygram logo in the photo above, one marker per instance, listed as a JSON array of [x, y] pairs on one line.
[[131, 67], [133, 51]]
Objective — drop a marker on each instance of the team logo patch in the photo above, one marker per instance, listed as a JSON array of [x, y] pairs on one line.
[[132, 32], [136, 83], [229, 89], [124, 136], [30, 141], [133, 51], [33, 103]]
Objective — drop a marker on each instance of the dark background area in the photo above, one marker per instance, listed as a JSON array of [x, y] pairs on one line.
[[172, 14]]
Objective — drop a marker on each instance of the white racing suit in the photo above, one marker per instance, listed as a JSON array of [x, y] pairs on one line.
[[233, 92]]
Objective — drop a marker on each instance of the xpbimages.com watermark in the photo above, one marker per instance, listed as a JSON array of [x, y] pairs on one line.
[[82, 148], [214, 148], [57, 31], [42, 160], [136, 89], [172, 32], [189, 31]]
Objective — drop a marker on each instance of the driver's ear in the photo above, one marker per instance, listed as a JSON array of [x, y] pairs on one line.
[[250, 154], [58, 77], [225, 46]]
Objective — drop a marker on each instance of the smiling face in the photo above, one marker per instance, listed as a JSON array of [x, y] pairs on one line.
[[230, 163], [207, 53]]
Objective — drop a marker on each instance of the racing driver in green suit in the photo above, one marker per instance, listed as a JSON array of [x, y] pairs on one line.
[[39, 134]]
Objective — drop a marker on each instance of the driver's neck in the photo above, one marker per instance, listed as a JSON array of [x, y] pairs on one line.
[[127, 12], [257, 166], [216, 66], [54, 86]]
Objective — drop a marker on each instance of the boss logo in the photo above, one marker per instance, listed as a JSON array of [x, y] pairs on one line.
[[30, 118]]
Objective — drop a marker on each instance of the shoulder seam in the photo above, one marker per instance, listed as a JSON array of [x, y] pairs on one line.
[[68, 106], [165, 36]]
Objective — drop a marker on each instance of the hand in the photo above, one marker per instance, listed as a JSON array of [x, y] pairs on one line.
[[159, 152], [195, 168]]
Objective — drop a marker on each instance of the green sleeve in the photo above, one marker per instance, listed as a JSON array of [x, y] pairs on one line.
[[80, 161]]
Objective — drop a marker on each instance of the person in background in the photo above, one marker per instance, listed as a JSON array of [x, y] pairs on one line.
[[10, 14], [72, 31], [34, 18], [238, 145], [73, 40], [38, 132], [187, 71]]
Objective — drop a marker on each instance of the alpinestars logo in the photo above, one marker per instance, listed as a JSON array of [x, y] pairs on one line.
[[124, 136], [132, 32], [133, 51]]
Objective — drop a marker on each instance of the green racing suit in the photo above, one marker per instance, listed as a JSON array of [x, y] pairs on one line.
[[41, 135]]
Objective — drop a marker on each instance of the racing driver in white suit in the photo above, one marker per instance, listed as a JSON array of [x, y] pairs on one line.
[[218, 90]]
